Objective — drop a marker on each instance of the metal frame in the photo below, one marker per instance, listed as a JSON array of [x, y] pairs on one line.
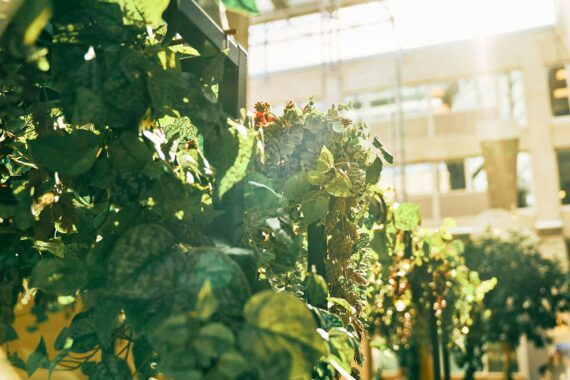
[[199, 30]]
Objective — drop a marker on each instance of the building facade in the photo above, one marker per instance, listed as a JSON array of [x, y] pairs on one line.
[[476, 125]]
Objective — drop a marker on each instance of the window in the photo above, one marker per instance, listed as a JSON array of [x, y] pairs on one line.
[[564, 175], [476, 175], [419, 179], [465, 174], [452, 176], [525, 196], [558, 84]]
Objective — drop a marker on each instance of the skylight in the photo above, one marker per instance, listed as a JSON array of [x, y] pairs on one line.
[[365, 29]]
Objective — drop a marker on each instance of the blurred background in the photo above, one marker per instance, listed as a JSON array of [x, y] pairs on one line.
[[471, 96]]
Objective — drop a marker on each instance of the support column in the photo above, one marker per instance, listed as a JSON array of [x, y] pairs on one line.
[[541, 145]]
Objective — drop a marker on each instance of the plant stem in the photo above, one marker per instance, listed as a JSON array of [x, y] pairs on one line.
[[434, 345]]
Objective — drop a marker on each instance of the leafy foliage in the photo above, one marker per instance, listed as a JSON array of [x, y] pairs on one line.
[[420, 286], [530, 293], [112, 161], [322, 166]]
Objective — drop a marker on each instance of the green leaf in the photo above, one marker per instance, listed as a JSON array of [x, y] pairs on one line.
[[148, 11], [228, 282], [316, 290], [38, 359], [407, 216], [111, 368], [340, 186], [260, 194], [342, 303], [88, 108], [344, 346], [237, 170], [59, 276], [15, 361], [373, 171], [7, 333], [296, 186], [387, 156], [232, 364], [280, 326], [315, 177], [206, 302], [143, 357], [54, 246], [247, 7], [69, 154], [315, 209], [213, 340], [143, 262], [31, 18], [325, 161], [81, 336], [129, 153]]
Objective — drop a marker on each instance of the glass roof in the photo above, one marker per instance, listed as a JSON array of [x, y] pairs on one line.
[[365, 29]]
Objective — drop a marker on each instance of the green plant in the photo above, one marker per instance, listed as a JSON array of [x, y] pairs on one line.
[[325, 169], [531, 291], [312, 183], [112, 160], [421, 292]]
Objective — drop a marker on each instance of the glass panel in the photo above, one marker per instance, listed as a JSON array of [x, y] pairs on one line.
[[475, 174], [525, 196], [419, 179], [452, 176], [558, 84], [365, 29], [564, 175]]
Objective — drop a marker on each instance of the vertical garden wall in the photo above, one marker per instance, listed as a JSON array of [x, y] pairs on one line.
[[187, 239]]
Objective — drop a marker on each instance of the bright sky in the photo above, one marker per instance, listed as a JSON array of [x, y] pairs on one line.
[[362, 30]]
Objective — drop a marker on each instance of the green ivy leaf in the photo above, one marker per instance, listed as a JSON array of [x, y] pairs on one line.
[[340, 186], [7, 333], [227, 280], [315, 209], [231, 365], [325, 162], [59, 276], [148, 11], [316, 290], [316, 177], [260, 194], [213, 340], [238, 169], [143, 262], [279, 325], [344, 346], [129, 153], [206, 302], [80, 336], [38, 359], [407, 216], [385, 154], [296, 186], [373, 171], [69, 154], [111, 368], [15, 361], [31, 18]]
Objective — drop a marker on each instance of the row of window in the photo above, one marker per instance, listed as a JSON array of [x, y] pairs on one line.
[[500, 93], [467, 175]]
